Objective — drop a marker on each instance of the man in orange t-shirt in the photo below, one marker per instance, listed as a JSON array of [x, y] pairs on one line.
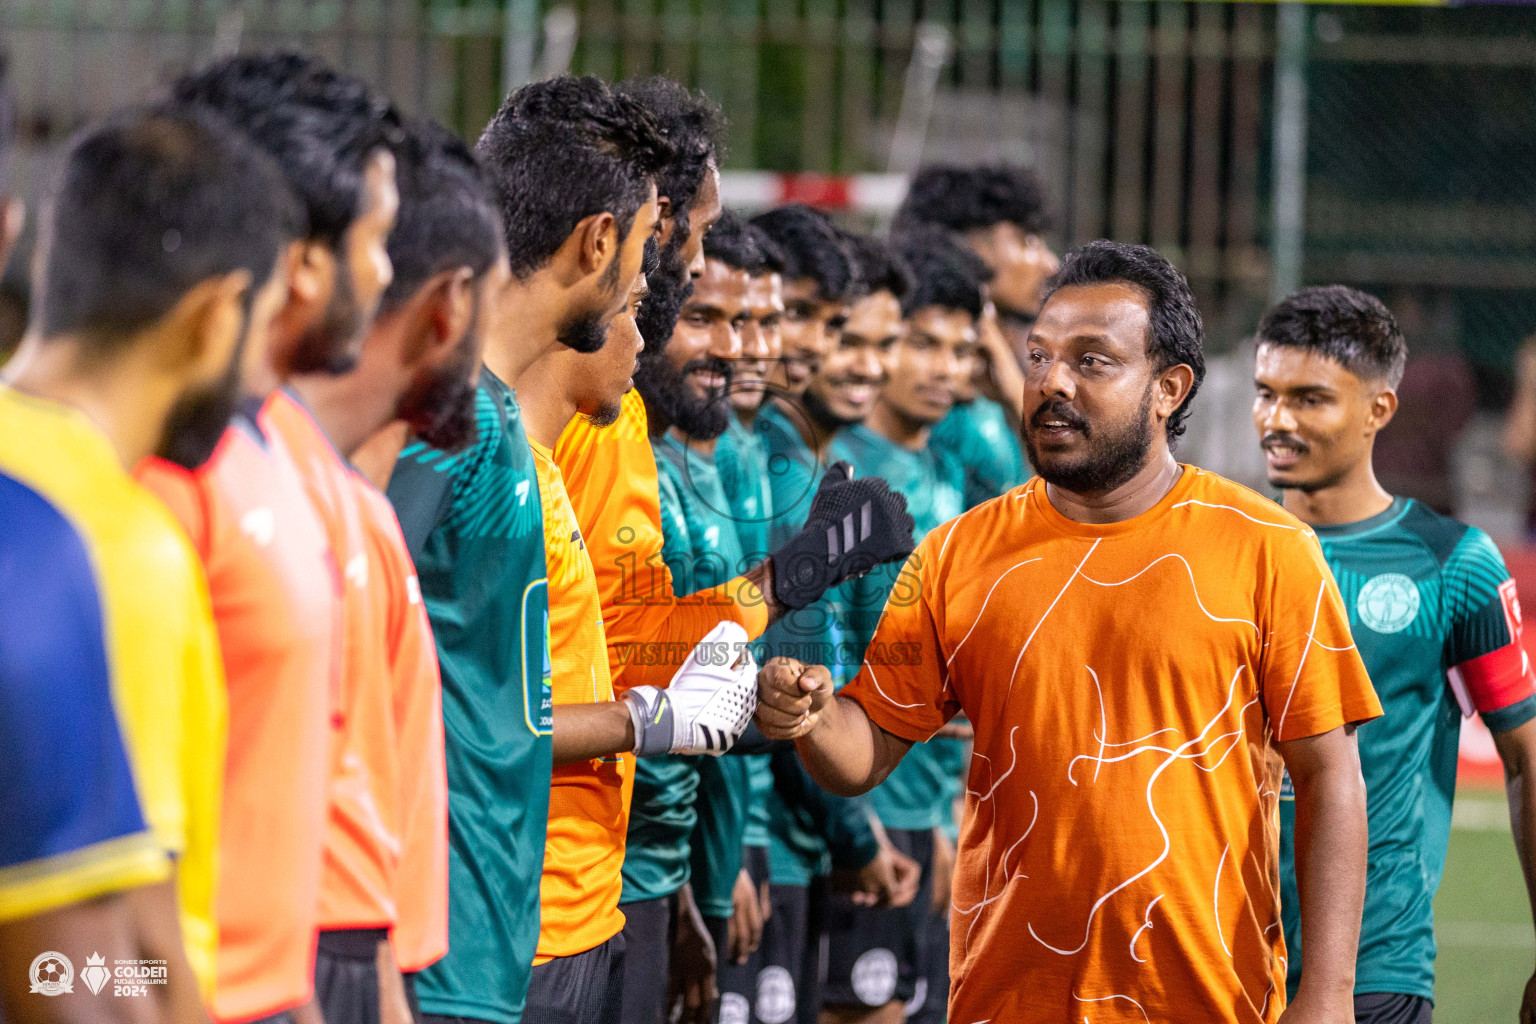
[[1140, 645]]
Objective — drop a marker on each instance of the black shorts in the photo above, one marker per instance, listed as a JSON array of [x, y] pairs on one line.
[[780, 984], [648, 927], [875, 954], [347, 975], [1392, 1008], [930, 999], [586, 988]]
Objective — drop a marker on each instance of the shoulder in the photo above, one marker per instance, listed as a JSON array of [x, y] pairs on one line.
[[43, 546], [1213, 502], [1449, 540]]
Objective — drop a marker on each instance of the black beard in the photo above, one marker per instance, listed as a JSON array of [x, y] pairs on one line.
[[583, 332], [440, 406], [198, 420], [1112, 459], [669, 396], [329, 346], [670, 288]]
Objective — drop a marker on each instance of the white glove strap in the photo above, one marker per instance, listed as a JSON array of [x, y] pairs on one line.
[[651, 713]]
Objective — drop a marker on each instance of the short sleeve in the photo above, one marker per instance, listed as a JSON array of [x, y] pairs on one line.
[[179, 491], [1484, 642], [1311, 677], [902, 685], [75, 827]]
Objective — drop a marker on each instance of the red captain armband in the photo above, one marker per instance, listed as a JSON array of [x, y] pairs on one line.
[[1501, 678]]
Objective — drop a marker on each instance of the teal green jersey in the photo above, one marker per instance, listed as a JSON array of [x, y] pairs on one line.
[[987, 447], [800, 825], [742, 458], [701, 548], [914, 795], [1435, 616], [476, 531]]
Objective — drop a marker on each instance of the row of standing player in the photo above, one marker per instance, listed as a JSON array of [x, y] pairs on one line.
[[252, 742]]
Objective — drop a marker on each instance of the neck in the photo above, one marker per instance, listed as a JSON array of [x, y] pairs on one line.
[[1130, 499], [376, 457], [350, 409], [125, 398], [816, 435], [705, 448], [900, 430], [1358, 496], [519, 342], [747, 417], [546, 407]]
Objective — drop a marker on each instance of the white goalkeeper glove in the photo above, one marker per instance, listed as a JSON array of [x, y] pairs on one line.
[[708, 704]]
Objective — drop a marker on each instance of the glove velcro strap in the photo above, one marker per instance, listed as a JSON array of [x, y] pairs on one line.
[[651, 712]]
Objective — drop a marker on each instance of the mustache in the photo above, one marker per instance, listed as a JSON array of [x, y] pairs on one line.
[[845, 379], [1056, 409], [709, 364], [1281, 437]]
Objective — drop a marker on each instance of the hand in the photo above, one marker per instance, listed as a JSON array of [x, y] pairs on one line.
[[942, 870], [1302, 1010], [853, 526], [746, 928], [309, 1013], [1528, 1002], [707, 706], [790, 698], [890, 880], [693, 964]]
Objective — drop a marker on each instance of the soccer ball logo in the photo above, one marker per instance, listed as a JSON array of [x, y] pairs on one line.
[[52, 974], [1388, 603]]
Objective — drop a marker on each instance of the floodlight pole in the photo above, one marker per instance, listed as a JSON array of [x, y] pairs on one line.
[[1289, 202], [519, 44]]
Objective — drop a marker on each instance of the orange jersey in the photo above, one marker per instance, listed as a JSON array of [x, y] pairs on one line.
[[1126, 683], [611, 473], [362, 839], [276, 605], [420, 936], [588, 801]]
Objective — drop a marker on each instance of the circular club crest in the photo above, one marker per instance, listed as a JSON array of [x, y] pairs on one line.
[[874, 977], [52, 974], [1388, 603], [775, 1003]]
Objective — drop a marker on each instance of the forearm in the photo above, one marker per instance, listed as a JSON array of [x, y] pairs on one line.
[[1331, 845], [584, 732], [1520, 425], [1517, 750], [845, 752]]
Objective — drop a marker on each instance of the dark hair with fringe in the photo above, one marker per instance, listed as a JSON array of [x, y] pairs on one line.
[[964, 198], [945, 271], [1350, 327], [1175, 332], [813, 248], [741, 245]]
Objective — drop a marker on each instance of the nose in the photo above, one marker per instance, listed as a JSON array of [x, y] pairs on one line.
[[1048, 259], [1057, 380], [1277, 416], [866, 363], [754, 341], [953, 366], [696, 265], [725, 343]]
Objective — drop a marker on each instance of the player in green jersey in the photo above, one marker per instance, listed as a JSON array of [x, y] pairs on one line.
[[1434, 614], [877, 954], [570, 164], [999, 212]]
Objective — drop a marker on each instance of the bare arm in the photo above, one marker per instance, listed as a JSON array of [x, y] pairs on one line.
[[587, 731], [844, 751], [103, 924], [1330, 868], [1517, 749], [1520, 422], [157, 924]]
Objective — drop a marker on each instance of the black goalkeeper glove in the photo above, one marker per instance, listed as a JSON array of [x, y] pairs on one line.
[[853, 526]]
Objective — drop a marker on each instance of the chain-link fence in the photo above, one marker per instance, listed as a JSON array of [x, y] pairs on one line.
[[1402, 141]]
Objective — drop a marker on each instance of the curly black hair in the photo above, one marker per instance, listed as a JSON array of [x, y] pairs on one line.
[[741, 245], [446, 219], [1348, 326], [1176, 333], [695, 126], [963, 198], [317, 123], [813, 248], [562, 150], [947, 273], [880, 267]]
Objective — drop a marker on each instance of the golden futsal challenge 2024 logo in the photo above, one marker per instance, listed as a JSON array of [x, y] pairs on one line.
[[53, 974]]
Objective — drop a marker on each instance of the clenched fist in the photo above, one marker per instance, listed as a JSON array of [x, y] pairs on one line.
[[790, 696]]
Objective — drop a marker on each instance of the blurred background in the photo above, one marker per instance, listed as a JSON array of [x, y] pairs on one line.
[[1259, 146]]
